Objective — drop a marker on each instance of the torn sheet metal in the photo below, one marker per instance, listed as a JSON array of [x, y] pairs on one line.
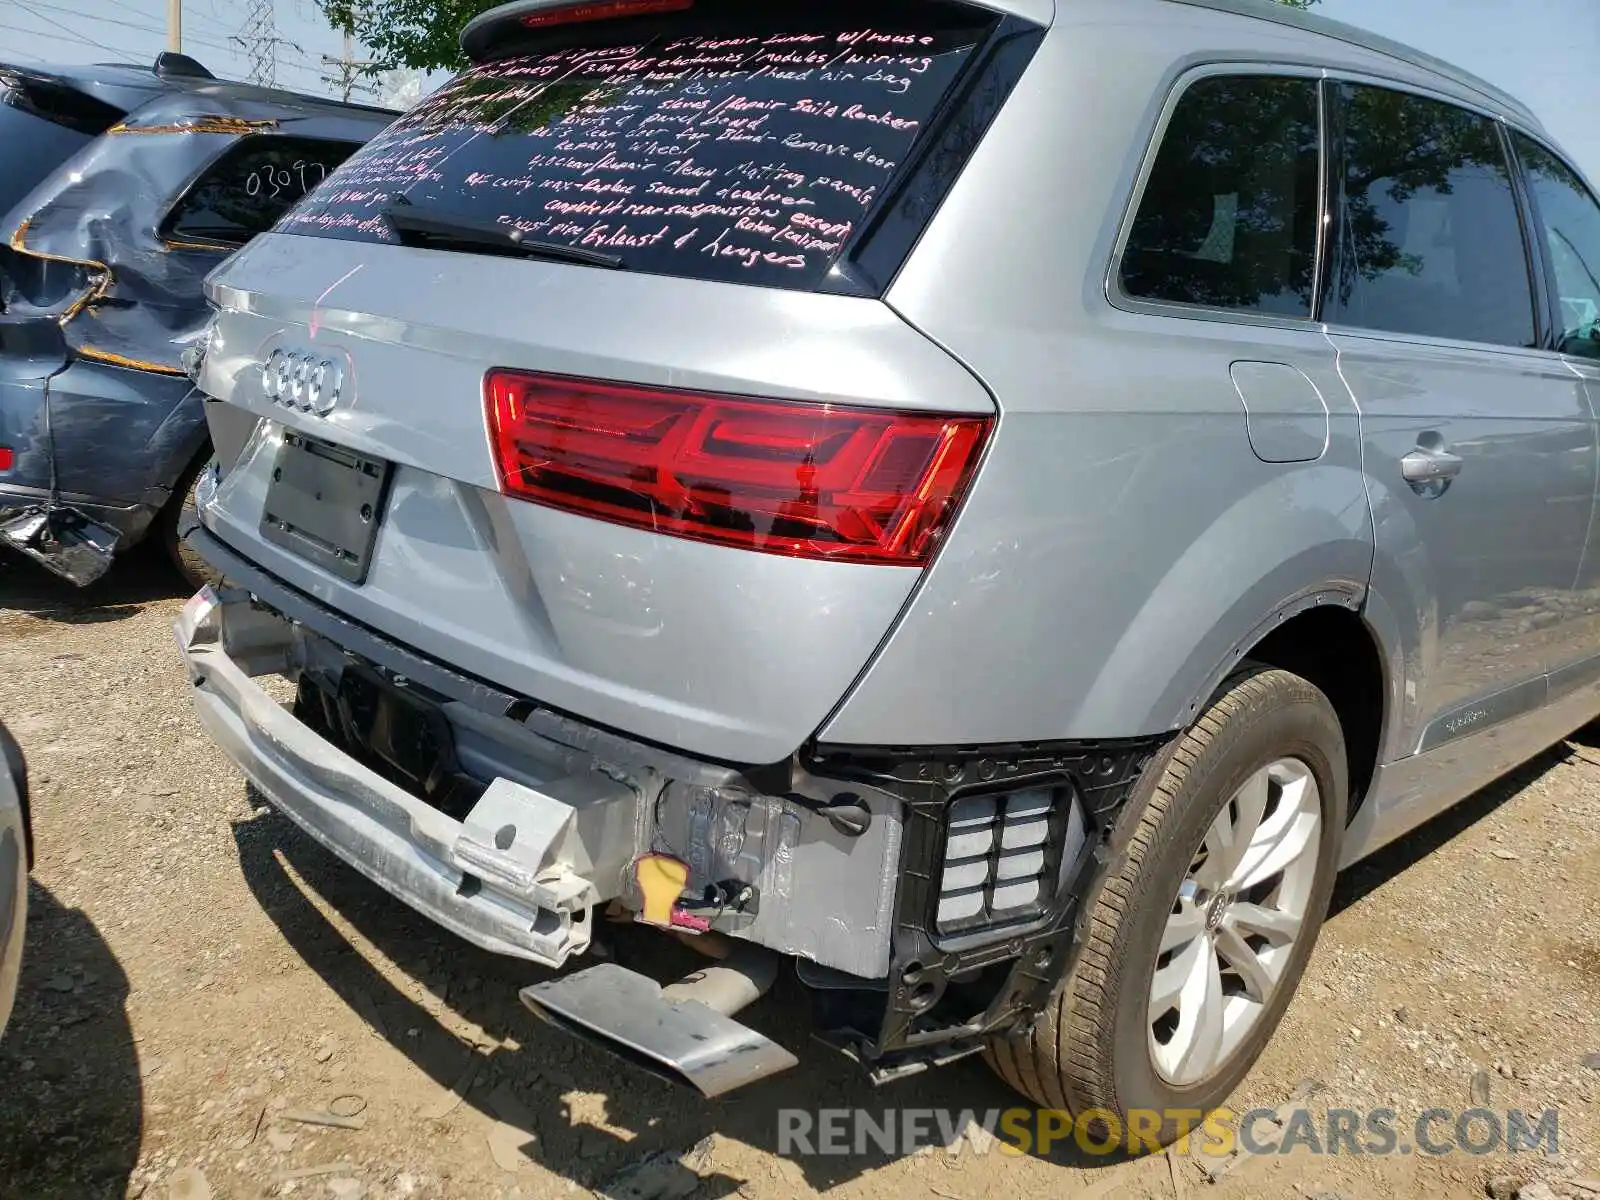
[[97, 452], [65, 540]]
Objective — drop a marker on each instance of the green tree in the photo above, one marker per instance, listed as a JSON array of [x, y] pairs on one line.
[[422, 34]]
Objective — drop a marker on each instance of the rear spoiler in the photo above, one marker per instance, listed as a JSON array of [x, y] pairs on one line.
[[480, 34], [57, 100]]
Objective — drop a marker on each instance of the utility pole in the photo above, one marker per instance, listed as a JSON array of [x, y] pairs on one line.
[[261, 41], [175, 25], [349, 69]]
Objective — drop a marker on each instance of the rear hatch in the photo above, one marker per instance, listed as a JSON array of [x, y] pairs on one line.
[[578, 377]]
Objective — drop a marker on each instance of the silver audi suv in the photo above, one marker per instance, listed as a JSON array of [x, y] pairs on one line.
[[990, 503]]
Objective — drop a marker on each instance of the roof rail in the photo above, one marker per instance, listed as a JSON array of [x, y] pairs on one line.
[[169, 63], [1284, 15]]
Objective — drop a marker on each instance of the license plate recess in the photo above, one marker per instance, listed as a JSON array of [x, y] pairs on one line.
[[325, 503]]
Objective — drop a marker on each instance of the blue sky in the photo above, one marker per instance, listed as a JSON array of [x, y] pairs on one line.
[[1546, 51], [78, 31]]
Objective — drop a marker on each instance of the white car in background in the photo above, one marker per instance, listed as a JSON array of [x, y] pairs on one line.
[[16, 856]]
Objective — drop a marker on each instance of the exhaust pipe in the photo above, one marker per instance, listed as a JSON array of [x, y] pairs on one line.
[[685, 1032], [744, 975]]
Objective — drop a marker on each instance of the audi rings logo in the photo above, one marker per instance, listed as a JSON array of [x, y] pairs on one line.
[[306, 382]]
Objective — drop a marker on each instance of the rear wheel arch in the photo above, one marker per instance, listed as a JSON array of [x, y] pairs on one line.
[[1335, 648], [1086, 1051]]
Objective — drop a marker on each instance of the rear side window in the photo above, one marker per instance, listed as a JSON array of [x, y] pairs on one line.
[[1569, 218], [733, 141], [246, 190], [1430, 241], [1228, 218]]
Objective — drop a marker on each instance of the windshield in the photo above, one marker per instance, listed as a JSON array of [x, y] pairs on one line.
[[723, 144]]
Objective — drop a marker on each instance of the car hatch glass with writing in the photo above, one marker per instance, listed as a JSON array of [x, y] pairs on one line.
[[1228, 218], [1430, 242], [731, 142], [248, 188], [1570, 221]]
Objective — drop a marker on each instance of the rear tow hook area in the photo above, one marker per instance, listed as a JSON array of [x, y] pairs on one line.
[[684, 1032]]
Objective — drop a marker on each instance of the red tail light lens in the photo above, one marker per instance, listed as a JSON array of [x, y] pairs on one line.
[[804, 480], [603, 10], [7, 458]]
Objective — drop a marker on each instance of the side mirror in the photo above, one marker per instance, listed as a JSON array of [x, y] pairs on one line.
[[32, 337]]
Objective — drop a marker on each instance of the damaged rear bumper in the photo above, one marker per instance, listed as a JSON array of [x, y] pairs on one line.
[[509, 824], [415, 852], [131, 521], [929, 896]]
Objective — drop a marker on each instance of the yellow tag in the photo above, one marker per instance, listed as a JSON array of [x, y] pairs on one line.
[[661, 882]]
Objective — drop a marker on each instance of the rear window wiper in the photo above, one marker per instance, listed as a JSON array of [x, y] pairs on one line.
[[414, 227]]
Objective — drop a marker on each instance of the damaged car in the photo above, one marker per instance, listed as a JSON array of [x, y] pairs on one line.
[[985, 504], [120, 188]]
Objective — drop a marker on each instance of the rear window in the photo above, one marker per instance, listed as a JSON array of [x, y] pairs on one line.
[[248, 188], [1229, 216], [720, 144]]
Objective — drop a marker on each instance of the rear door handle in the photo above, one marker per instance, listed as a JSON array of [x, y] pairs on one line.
[[1430, 464]]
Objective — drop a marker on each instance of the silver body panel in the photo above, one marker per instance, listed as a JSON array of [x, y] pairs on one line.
[[577, 817], [673, 641], [1162, 489]]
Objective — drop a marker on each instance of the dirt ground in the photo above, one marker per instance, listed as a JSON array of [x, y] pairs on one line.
[[199, 973]]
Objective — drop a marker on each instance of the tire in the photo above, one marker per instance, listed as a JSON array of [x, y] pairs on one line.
[[1094, 1048], [194, 569]]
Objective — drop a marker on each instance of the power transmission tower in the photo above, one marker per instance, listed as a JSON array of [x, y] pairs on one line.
[[261, 41], [349, 69]]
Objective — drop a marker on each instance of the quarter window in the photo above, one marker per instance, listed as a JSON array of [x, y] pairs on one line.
[[1228, 218], [1430, 242], [1570, 221], [255, 182]]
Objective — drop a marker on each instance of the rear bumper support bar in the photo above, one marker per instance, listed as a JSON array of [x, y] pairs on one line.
[[502, 878]]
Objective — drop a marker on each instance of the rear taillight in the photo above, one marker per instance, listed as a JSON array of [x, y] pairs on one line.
[[799, 479], [7, 458]]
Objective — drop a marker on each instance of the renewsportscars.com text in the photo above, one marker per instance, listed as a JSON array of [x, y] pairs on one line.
[[1260, 1131]]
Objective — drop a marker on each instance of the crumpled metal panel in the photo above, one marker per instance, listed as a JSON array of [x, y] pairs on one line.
[[84, 245], [101, 441], [778, 875]]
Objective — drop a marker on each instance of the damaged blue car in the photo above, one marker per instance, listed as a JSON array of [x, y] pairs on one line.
[[121, 188]]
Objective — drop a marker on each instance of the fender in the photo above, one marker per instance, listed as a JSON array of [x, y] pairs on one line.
[[1111, 605], [1195, 628], [117, 430], [179, 440]]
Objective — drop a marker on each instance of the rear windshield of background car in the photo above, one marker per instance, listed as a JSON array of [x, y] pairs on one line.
[[249, 187], [732, 141]]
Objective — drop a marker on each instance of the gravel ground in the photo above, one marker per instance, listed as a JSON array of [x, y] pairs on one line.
[[199, 973]]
